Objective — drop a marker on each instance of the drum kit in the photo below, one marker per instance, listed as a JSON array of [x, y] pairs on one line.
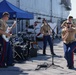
[[21, 45]]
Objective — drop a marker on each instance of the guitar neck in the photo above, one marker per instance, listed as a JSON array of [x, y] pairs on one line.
[[13, 25]]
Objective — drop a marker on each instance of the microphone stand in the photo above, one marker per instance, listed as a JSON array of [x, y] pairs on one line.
[[46, 65]]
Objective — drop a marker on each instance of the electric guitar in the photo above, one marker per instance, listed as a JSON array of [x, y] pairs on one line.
[[8, 31]]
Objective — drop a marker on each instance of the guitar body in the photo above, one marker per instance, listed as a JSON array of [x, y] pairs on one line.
[[8, 31], [5, 37]]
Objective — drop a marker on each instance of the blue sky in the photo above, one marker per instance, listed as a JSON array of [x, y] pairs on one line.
[[73, 11]]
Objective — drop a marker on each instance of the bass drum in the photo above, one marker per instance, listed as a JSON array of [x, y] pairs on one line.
[[21, 52]]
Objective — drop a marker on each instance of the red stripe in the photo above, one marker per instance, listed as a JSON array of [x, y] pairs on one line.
[[3, 53]]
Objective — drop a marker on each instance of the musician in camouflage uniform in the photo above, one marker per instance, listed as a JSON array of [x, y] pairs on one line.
[[6, 57], [47, 31], [69, 42]]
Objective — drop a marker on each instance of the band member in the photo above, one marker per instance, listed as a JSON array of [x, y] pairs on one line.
[[6, 57], [47, 31], [69, 20], [69, 43]]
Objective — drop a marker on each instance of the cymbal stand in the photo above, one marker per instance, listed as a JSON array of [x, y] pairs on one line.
[[35, 38], [15, 53]]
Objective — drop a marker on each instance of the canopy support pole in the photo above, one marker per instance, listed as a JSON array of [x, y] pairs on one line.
[[16, 27]]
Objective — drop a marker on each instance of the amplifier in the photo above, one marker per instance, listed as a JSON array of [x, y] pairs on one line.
[[33, 52]]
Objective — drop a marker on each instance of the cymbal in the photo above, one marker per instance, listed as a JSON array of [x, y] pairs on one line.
[[31, 27], [30, 33], [21, 32]]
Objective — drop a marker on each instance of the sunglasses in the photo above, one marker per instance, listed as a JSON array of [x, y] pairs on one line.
[[69, 23]]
